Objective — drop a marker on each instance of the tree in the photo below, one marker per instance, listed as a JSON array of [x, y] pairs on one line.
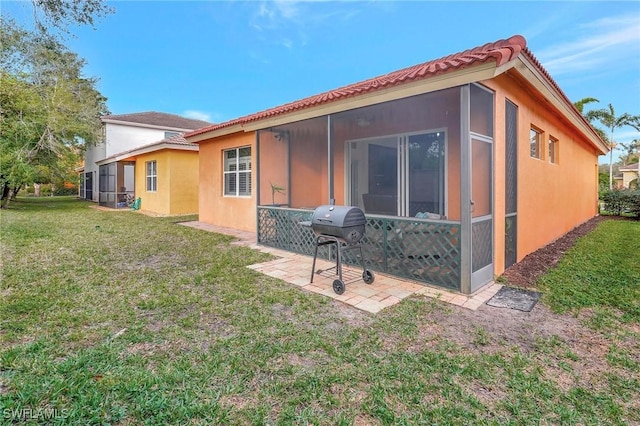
[[48, 109], [589, 115], [60, 13], [608, 118], [632, 151], [582, 102]]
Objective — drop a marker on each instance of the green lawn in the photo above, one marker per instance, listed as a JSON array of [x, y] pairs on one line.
[[601, 271], [118, 318]]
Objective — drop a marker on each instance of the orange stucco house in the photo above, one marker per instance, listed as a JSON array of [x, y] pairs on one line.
[[463, 166]]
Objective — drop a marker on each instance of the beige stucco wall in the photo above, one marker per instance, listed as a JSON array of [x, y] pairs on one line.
[[184, 182], [628, 177], [153, 201], [177, 182]]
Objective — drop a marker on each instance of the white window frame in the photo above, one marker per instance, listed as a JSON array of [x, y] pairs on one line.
[[553, 150], [538, 142], [237, 171], [151, 169]]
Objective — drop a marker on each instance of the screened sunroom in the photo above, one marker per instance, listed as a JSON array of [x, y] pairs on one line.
[[420, 168], [116, 183]]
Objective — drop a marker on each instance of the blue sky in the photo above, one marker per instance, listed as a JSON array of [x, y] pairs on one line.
[[220, 60]]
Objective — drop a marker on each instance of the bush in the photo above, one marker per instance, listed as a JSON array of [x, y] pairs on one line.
[[619, 201], [614, 201], [45, 189], [634, 202], [66, 191]]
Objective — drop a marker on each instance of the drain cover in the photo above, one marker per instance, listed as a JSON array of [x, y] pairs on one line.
[[515, 298]]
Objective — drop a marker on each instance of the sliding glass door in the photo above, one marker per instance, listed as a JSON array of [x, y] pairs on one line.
[[425, 186], [399, 175]]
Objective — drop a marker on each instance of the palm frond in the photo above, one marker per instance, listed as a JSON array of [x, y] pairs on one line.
[[582, 102]]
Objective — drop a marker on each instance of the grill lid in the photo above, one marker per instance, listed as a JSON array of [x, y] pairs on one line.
[[338, 216], [346, 223]]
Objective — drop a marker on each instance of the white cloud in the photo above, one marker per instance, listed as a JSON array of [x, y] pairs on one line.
[[288, 22], [273, 15], [596, 44], [197, 115], [288, 9]]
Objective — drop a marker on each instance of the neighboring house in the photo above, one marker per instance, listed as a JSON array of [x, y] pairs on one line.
[[165, 176], [463, 166], [109, 183], [628, 178]]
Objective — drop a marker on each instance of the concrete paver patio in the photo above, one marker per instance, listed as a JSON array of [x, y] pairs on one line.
[[385, 291]]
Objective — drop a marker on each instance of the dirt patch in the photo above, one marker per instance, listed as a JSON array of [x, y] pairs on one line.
[[365, 420], [569, 352], [151, 262], [490, 329], [349, 315], [4, 388], [572, 354], [526, 273], [486, 394], [299, 361], [237, 402]]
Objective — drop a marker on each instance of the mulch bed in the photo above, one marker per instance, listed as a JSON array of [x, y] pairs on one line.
[[526, 273]]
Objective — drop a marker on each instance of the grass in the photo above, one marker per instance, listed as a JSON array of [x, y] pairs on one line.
[[118, 318], [601, 272]]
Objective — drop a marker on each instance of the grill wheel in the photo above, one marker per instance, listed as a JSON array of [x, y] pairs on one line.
[[338, 286]]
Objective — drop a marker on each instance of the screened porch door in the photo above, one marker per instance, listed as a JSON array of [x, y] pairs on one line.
[[400, 175], [88, 182], [481, 211]]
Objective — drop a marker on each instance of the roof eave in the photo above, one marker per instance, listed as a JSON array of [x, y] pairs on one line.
[[235, 128], [147, 126], [146, 150], [447, 80], [532, 73]]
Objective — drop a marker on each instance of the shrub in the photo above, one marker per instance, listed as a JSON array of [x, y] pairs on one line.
[[633, 202], [619, 201], [66, 191], [614, 201], [45, 189]]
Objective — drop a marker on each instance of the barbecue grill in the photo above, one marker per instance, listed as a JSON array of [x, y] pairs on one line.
[[342, 226]]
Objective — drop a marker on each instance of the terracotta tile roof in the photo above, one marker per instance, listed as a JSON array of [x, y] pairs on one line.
[[500, 52], [161, 119], [175, 139]]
